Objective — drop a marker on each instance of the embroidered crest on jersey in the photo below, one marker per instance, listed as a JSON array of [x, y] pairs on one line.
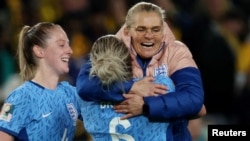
[[161, 70], [6, 112], [72, 111]]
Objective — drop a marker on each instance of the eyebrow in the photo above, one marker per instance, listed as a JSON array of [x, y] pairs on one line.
[[148, 27], [62, 40]]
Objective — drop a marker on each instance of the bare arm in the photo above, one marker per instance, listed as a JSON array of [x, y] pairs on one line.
[[6, 137]]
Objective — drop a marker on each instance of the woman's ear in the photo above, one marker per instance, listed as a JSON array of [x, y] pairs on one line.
[[126, 31], [38, 51]]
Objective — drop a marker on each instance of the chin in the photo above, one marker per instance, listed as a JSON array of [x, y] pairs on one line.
[[66, 71], [146, 56]]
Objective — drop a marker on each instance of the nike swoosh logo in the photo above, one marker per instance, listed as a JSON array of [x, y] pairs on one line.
[[46, 115]]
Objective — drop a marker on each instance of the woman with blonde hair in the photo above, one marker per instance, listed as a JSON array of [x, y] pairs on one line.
[[154, 51], [111, 63]]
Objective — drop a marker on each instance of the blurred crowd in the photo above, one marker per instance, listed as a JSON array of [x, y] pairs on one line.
[[216, 32]]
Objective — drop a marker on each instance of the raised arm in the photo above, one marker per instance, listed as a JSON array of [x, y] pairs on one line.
[[185, 102], [91, 89]]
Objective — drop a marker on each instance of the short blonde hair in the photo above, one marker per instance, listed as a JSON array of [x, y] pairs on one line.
[[111, 60], [143, 7]]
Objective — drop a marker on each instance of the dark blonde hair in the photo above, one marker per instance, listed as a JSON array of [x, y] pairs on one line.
[[143, 7], [28, 37], [111, 60]]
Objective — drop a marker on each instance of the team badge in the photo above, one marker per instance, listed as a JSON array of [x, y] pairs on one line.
[[6, 112], [72, 111], [161, 70]]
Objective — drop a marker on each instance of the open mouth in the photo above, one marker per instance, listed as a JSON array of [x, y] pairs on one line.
[[147, 44], [65, 59]]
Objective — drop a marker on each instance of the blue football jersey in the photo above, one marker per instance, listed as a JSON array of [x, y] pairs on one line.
[[34, 113], [104, 124], [160, 79]]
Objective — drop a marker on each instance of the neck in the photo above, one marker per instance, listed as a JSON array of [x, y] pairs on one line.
[[47, 81]]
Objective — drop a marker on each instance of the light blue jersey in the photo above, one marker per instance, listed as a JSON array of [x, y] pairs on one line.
[[34, 113], [104, 124]]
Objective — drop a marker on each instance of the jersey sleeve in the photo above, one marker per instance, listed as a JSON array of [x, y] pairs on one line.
[[15, 113], [186, 101]]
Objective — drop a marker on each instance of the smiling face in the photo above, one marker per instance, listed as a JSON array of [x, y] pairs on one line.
[[146, 33], [57, 51]]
